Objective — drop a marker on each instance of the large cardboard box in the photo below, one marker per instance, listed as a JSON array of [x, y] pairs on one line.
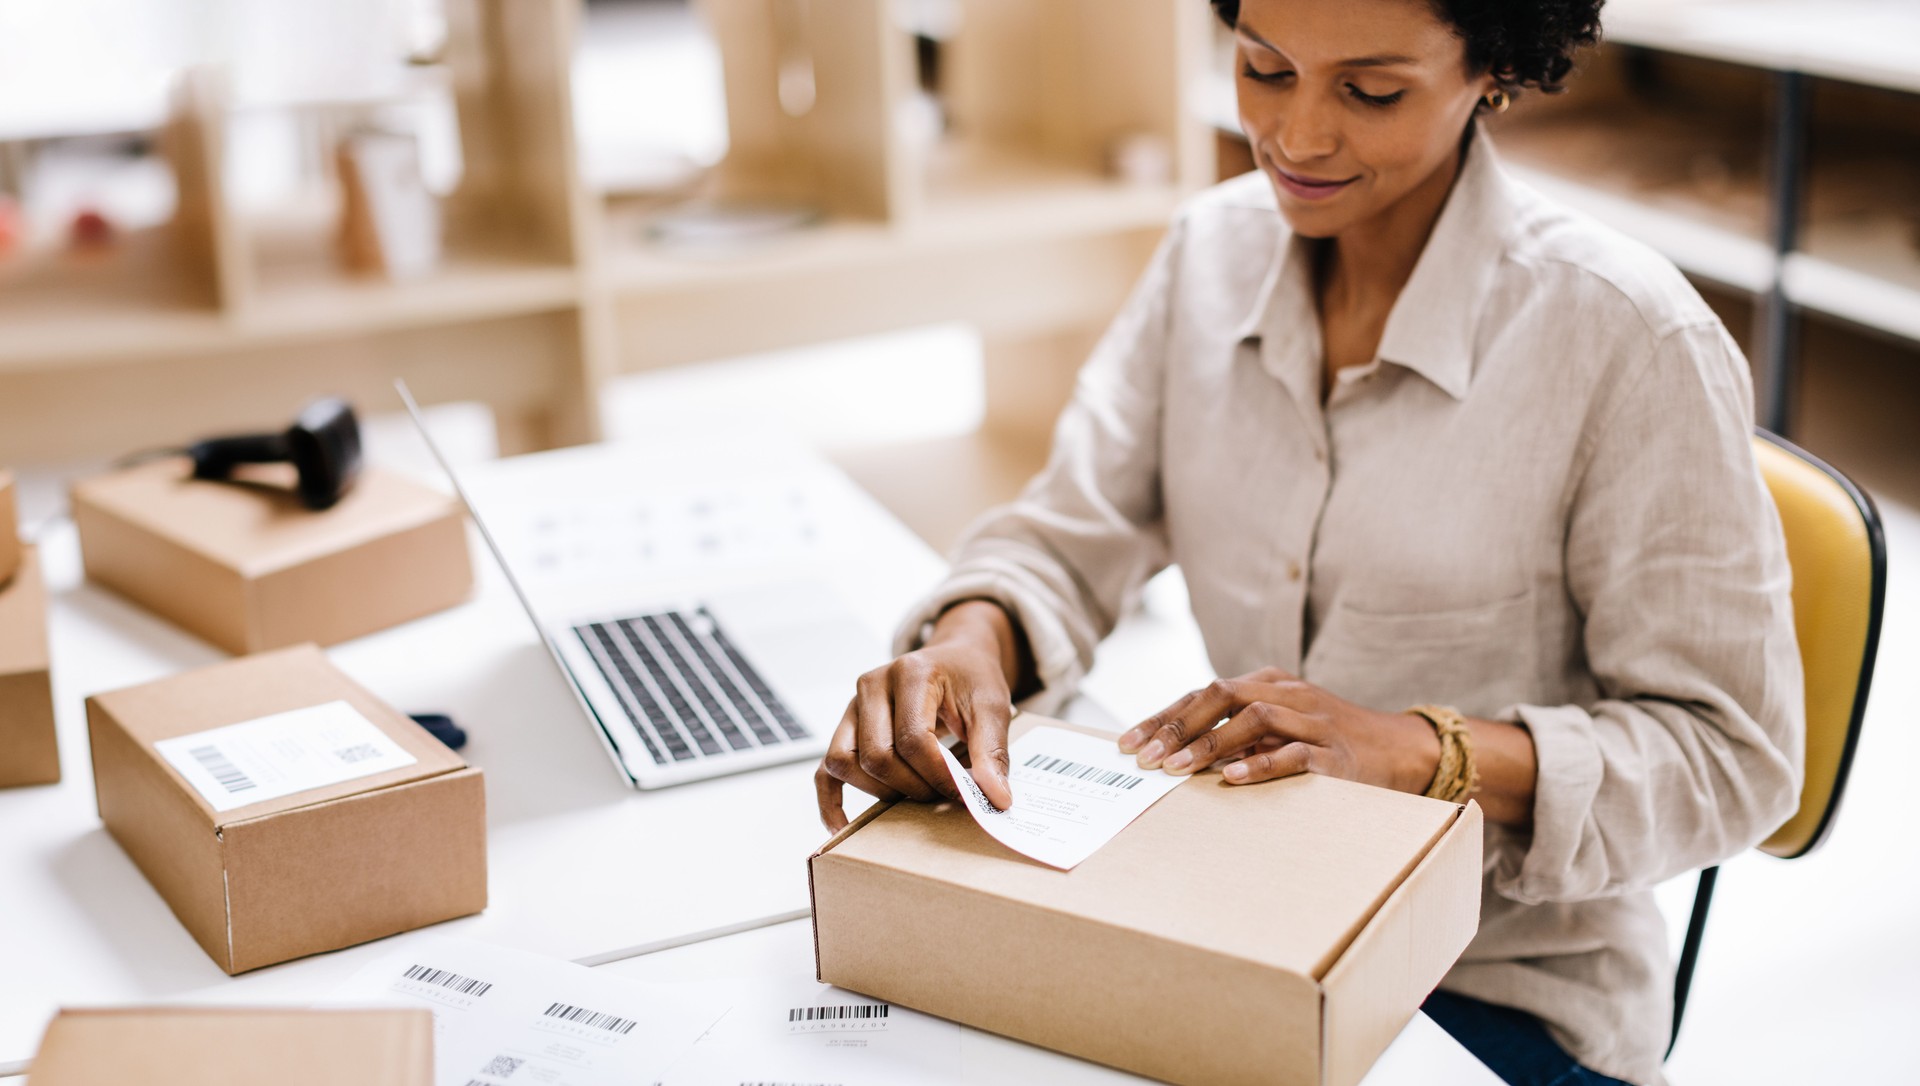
[[276, 876], [249, 568], [182, 1046], [29, 753], [1274, 933], [9, 528]]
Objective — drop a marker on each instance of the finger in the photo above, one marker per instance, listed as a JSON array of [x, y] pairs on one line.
[[1136, 737], [873, 727], [1288, 761], [1271, 675], [842, 766], [831, 795], [1266, 743], [1180, 723], [917, 692], [985, 717], [1241, 732]]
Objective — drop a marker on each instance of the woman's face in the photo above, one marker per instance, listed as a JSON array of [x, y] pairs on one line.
[[1350, 104]]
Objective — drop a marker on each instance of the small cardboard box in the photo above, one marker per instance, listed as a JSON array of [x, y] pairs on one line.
[[1274, 933], [183, 1046], [248, 568], [9, 528], [286, 875], [29, 753]]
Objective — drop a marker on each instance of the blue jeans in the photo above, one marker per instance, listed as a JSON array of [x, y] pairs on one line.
[[1513, 1043]]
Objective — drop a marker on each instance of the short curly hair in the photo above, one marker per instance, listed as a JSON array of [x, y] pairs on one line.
[[1523, 43]]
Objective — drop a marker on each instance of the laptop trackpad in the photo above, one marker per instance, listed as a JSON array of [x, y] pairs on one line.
[[806, 643]]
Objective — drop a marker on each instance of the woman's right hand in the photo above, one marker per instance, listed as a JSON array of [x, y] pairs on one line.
[[959, 682]]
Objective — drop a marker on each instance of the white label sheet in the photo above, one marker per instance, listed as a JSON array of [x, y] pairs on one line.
[[505, 1016], [1071, 794], [801, 1031], [281, 754]]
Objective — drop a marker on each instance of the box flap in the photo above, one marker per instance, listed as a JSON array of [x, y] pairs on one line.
[[261, 527], [262, 685], [215, 1047], [23, 618], [1282, 874], [1399, 959]]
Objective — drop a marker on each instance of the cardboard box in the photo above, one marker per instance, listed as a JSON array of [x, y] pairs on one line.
[[29, 752], [9, 528], [249, 568], [181, 1046], [1274, 933], [286, 875]]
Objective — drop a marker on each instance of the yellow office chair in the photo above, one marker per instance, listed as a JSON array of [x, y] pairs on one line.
[[1839, 560]]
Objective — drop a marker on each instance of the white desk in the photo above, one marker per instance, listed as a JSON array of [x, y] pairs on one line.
[[580, 866]]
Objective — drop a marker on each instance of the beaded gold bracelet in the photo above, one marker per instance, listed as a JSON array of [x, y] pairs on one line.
[[1456, 777]]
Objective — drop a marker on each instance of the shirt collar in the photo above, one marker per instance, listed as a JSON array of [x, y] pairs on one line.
[[1431, 329]]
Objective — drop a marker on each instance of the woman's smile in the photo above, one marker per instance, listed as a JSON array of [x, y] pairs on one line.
[[1306, 187]]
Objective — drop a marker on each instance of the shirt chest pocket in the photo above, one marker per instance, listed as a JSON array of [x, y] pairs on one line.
[[1478, 658]]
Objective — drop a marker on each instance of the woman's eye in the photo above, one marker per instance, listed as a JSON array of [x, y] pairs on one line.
[[1256, 74], [1375, 99]]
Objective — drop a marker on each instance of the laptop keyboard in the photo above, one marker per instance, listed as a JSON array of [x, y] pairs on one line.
[[687, 690]]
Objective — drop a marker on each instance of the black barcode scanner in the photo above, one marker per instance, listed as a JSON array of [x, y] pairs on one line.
[[323, 444]]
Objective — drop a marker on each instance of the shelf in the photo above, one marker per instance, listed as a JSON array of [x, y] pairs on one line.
[[1862, 270], [59, 307], [120, 318], [314, 297], [973, 200], [1871, 42]]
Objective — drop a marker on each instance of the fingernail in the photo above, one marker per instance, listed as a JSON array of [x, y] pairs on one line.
[[1181, 759], [1152, 753], [1130, 742], [1236, 772]]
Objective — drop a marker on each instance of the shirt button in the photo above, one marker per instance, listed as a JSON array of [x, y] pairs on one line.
[[1293, 571], [1319, 456]]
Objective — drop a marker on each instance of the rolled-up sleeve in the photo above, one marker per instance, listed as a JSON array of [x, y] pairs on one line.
[[1065, 557], [1692, 753]]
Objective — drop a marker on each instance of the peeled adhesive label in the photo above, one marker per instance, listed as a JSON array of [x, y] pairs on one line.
[[1071, 794], [278, 755]]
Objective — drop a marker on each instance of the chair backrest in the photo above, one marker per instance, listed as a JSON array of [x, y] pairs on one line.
[[1839, 560]]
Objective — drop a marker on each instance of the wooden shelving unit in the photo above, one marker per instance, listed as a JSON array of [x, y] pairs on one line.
[[1009, 220], [1809, 117]]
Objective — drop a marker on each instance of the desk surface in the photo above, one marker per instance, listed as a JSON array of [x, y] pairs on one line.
[[581, 867]]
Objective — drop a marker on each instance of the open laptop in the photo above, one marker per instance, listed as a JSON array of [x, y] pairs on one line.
[[684, 685]]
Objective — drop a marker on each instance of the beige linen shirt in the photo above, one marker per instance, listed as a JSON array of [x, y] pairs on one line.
[[1539, 503]]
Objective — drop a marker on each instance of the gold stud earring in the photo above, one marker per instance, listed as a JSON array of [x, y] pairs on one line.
[[1498, 100]]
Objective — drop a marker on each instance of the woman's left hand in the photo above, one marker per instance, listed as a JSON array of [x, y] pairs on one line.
[[1277, 726]]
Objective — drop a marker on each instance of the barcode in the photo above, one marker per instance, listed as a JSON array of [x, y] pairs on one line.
[[1080, 772], [590, 1018], [224, 771], [359, 752], [836, 1013], [502, 1066], [452, 981]]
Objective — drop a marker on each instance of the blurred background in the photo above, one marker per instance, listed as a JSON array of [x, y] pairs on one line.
[[895, 227]]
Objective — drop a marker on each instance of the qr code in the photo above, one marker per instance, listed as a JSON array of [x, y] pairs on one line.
[[359, 752], [502, 1066]]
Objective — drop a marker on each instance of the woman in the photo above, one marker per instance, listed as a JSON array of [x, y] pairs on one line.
[[1415, 436]]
